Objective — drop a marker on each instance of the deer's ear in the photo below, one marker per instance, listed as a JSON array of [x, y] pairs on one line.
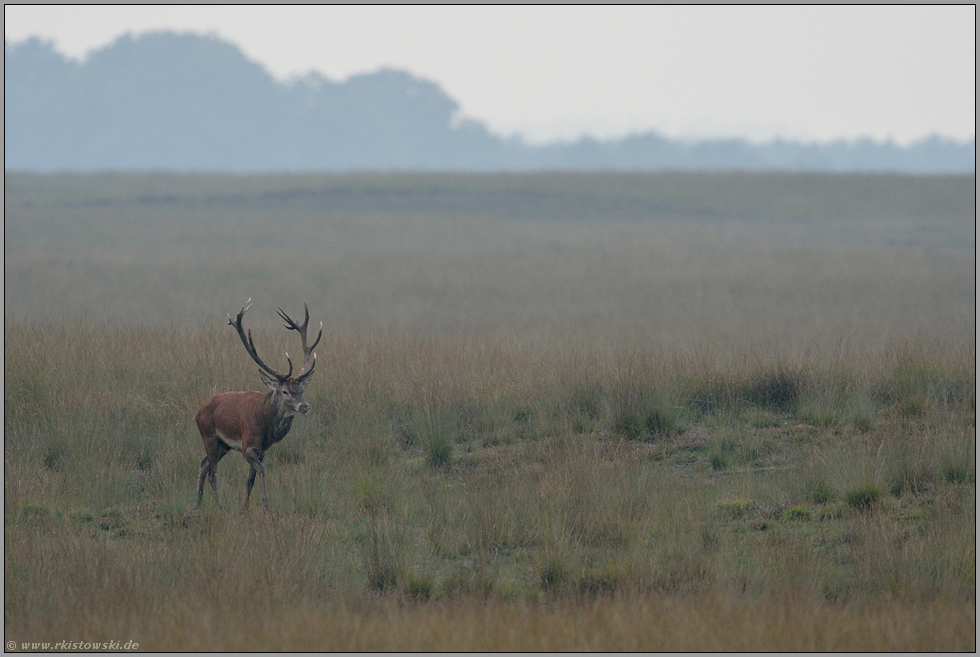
[[269, 381], [306, 381]]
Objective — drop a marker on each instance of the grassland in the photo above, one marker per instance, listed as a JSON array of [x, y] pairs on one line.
[[604, 412]]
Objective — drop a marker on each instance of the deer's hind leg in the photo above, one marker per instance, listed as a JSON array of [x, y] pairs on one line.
[[205, 468], [209, 465]]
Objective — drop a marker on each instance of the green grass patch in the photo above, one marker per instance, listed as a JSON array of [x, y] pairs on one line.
[[863, 497]]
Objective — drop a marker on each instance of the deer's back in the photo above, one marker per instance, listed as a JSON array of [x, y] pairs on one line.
[[231, 412]]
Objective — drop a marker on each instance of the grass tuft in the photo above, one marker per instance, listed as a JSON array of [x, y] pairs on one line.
[[777, 389], [863, 497], [554, 575]]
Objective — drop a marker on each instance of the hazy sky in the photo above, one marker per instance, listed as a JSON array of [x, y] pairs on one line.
[[811, 73]]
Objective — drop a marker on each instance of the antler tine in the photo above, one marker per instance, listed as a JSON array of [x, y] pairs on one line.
[[312, 366], [250, 343], [301, 329]]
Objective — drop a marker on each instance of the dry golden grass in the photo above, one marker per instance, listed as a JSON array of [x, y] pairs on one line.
[[646, 624], [547, 506], [640, 433]]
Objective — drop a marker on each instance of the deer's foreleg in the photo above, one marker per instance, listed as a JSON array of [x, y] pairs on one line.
[[254, 459], [249, 481]]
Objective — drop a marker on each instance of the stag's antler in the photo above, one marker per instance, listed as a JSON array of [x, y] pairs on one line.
[[307, 351], [250, 345]]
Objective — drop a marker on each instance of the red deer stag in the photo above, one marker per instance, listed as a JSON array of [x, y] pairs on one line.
[[252, 422]]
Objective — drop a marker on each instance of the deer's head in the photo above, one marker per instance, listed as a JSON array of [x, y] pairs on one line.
[[287, 390]]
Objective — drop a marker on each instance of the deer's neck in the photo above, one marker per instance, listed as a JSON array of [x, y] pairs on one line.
[[281, 427], [279, 420]]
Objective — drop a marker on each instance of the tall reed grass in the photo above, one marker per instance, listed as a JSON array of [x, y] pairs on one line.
[[445, 471]]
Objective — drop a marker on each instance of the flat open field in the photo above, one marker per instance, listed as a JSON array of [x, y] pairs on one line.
[[550, 412]]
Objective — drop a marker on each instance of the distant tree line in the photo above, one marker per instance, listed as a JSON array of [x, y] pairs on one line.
[[188, 102]]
